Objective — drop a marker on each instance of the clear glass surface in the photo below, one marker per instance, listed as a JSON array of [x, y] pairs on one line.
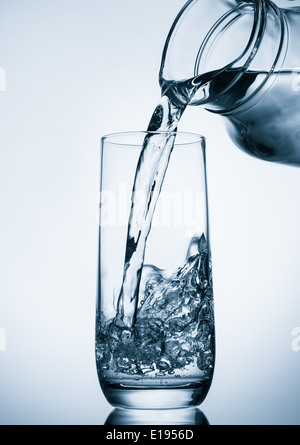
[[163, 355]]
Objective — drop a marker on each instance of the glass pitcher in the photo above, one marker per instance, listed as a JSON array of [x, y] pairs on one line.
[[241, 60]]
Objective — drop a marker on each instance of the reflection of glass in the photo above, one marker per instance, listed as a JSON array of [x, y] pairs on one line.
[[187, 416], [165, 358]]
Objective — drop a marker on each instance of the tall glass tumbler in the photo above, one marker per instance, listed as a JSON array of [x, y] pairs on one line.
[[163, 356]]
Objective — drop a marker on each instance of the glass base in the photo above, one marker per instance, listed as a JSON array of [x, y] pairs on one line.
[[154, 397]]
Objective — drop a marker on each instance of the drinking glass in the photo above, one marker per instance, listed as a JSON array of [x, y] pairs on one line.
[[164, 357]]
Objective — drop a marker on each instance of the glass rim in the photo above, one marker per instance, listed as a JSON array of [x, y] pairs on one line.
[[110, 136]]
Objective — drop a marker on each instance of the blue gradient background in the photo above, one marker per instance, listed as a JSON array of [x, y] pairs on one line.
[[76, 70]]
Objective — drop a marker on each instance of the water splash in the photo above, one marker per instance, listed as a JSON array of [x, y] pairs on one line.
[[174, 326]]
